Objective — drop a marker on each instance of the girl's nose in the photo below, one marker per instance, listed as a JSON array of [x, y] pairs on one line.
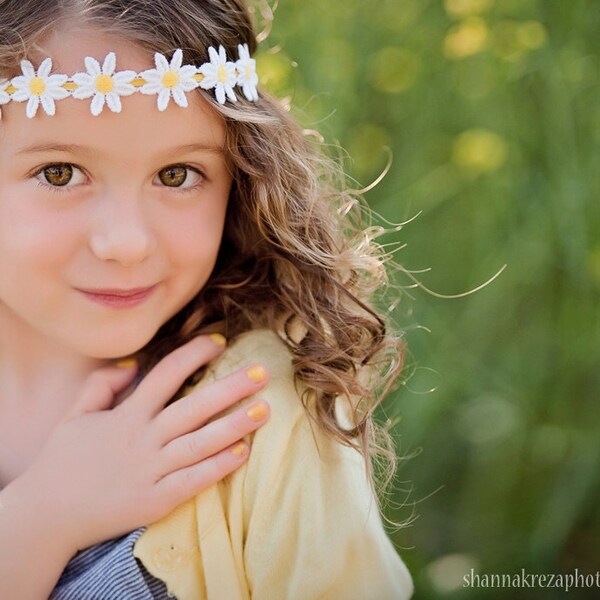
[[121, 230]]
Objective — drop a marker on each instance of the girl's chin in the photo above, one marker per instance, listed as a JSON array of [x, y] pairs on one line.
[[115, 348]]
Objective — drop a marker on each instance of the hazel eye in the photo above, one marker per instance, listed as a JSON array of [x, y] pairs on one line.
[[179, 176], [60, 175]]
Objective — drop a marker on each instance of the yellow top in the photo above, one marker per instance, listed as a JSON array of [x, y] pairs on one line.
[[297, 522]]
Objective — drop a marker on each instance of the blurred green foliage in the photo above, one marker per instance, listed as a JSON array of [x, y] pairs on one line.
[[491, 109]]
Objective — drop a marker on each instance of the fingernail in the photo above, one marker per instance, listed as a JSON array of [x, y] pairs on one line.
[[240, 450], [257, 373], [258, 411], [126, 363], [218, 339]]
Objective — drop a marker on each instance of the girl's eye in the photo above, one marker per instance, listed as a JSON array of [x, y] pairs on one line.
[[60, 175], [180, 176]]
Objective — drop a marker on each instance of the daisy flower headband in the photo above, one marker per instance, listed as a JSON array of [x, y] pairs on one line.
[[105, 85]]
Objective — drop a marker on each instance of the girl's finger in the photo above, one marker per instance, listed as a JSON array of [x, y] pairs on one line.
[[101, 388], [186, 483], [193, 447], [160, 385], [192, 411]]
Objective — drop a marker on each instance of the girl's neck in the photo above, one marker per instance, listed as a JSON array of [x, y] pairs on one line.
[[33, 367], [39, 382]]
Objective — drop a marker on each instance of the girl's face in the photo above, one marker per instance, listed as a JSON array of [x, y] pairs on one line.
[[93, 208]]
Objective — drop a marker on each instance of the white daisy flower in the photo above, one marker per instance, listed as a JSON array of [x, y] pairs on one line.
[[104, 84], [247, 77], [39, 88], [220, 74], [4, 96], [169, 80]]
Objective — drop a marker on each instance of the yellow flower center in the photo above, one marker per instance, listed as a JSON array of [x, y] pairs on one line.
[[222, 74], [248, 72], [170, 79], [37, 86], [104, 84]]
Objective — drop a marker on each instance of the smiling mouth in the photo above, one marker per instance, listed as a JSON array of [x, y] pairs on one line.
[[119, 298]]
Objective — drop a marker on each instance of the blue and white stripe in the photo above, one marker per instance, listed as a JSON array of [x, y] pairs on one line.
[[109, 571]]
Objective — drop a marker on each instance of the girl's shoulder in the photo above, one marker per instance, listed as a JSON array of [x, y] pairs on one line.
[[293, 439], [266, 347], [301, 500]]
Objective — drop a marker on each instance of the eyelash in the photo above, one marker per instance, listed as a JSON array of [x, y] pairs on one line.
[[53, 188], [67, 189], [192, 188]]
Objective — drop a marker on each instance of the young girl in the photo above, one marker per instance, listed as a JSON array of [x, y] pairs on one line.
[[179, 279]]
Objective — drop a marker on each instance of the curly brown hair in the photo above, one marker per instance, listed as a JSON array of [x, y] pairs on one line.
[[295, 247]]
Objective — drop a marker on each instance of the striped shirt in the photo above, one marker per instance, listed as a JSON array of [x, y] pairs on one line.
[[109, 571]]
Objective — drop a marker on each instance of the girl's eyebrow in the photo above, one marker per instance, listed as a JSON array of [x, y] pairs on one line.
[[77, 149], [197, 147], [53, 148]]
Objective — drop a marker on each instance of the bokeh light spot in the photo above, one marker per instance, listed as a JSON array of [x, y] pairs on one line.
[[397, 18], [513, 39], [275, 72], [488, 419], [466, 39], [479, 150], [447, 572], [366, 147], [394, 70], [532, 35], [465, 8]]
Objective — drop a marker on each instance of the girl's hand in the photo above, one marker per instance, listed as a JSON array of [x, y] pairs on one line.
[[106, 471]]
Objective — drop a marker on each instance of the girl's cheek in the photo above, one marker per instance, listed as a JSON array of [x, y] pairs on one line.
[[33, 232]]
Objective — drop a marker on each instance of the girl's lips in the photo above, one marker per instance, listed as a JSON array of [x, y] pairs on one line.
[[118, 298]]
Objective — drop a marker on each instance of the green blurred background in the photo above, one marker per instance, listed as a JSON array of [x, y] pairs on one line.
[[491, 110]]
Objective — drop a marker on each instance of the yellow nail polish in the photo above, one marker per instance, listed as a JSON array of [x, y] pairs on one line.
[[126, 363], [240, 450], [219, 339], [258, 411], [257, 373]]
